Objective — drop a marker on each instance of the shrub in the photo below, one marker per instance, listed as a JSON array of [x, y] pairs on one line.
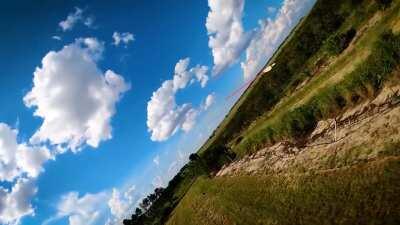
[[338, 42]]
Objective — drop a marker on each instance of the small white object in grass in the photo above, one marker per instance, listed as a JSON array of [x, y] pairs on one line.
[[269, 68]]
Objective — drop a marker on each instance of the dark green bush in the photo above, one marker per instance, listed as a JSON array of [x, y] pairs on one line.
[[338, 42]]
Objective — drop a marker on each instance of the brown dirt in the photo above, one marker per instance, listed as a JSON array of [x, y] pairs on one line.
[[361, 134]]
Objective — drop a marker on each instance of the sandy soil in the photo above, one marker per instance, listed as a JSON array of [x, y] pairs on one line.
[[361, 134]]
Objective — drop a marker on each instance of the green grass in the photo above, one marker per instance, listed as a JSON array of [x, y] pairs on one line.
[[368, 193]]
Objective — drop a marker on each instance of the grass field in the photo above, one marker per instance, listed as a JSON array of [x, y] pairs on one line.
[[368, 193]]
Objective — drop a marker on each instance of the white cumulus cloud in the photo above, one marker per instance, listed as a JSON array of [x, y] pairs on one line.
[[272, 33], [20, 163], [19, 159], [123, 38], [164, 116], [227, 39], [121, 205], [200, 73], [15, 203], [81, 210], [75, 98]]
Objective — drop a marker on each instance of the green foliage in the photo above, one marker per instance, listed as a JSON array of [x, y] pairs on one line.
[[217, 156], [368, 194], [156, 208], [338, 42]]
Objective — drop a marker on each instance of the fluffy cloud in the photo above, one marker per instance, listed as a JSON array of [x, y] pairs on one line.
[[75, 99], [200, 73], [209, 101], [15, 203], [20, 163], [121, 205], [73, 18], [164, 116], [123, 38], [19, 159], [189, 119], [272, 33], [83, 210], [227, 39]]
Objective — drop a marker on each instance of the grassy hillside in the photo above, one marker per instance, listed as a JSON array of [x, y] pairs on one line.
[[339, 56], [351, 77], [363, 194]]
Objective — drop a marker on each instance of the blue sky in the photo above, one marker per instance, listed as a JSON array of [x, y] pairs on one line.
[[76, 132]]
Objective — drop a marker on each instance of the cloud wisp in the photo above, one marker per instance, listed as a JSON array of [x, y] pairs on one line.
[[209, 101], [80, 210], [75, 17], [122, 38]]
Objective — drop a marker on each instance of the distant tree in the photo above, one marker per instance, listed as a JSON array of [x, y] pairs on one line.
[[158, 191], [138, 211], [127, 222], [152, 198], [337, 43], [135, 217], [145, 204], [194, 157]]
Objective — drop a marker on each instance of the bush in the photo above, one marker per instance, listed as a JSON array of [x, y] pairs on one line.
[[338, 42]]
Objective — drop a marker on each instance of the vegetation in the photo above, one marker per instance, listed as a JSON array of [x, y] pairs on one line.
[[337, 43], [367, 193], [362, 83], [331, 99]]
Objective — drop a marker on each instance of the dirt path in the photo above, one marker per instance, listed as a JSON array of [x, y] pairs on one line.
[[360, 134]]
